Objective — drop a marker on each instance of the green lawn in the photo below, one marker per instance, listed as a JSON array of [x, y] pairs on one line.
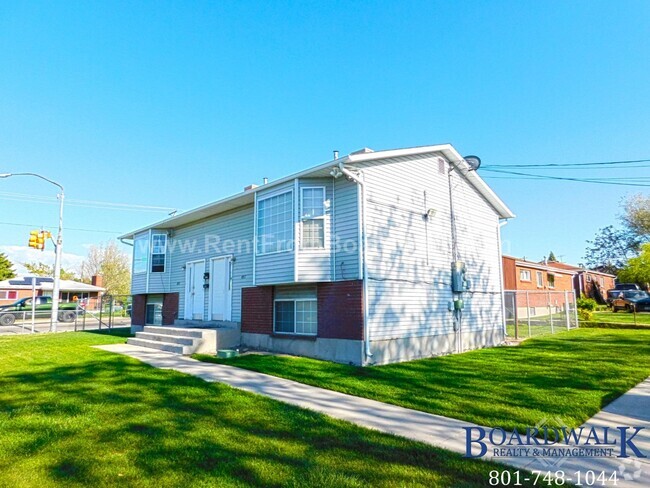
[[642, 318], [71, 415], [569, 375]]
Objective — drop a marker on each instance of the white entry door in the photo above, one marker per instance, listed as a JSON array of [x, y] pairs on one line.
[[220, 289], [194, 291]]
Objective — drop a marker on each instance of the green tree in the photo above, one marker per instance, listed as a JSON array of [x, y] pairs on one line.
[[638, 268], [637, 215], [42, 269], [551, 257], [6, 267], [611, 249], [112, 264]]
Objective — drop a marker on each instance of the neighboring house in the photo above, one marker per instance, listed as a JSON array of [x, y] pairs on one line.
[[286, 261], [588, 282], [14, 289], [539, 288]]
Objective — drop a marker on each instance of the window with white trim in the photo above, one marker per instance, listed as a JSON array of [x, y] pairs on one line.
[[275, 223], [140, 254], [312, 216], [298, 316], [8, 295], [158, 252], [540, 279], [524, 275]]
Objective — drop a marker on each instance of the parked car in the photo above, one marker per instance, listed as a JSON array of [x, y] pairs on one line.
[[612, 294], [43, 308], [626, 286], [631, 300]]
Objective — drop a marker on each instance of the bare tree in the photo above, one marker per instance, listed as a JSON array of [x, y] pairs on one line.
[[112, 264]]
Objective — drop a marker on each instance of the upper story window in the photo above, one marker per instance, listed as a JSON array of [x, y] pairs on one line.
[[275, 223], [312, 215], [524, 275], [540, 279], [140, 254], [551, 280], [158, 252]]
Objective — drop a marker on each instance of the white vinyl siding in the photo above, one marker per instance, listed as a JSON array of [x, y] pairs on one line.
[[230, 233], [409, 257]]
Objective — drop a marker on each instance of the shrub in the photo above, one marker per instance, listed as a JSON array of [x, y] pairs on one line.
[[585, 303], [585, 315]]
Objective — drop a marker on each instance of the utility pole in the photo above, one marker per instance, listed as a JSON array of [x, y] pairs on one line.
[[58, 251]]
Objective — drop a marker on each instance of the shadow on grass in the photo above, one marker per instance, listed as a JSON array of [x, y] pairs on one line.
[[569, 376], [95, 418]]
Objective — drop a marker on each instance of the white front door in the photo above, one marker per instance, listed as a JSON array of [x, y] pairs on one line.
[[194, 291], [220, 289]]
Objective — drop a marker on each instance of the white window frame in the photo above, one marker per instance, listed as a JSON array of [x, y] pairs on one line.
[[524, 272], [258, 234], [141, 244], [164, 253], [303, 219], [295, 313], [539, 279], [6, 295]]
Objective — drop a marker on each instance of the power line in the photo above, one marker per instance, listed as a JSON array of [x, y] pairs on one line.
[[565, 178], [38, 226], [83, 203], [566, 165]]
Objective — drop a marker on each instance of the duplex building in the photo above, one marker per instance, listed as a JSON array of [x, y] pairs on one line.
[[350, 260]]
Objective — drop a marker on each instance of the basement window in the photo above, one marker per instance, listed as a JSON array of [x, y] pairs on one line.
[[295, 311]]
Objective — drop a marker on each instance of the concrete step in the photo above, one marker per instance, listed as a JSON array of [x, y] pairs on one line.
[[154, 336], [161, 346], [173, 331]]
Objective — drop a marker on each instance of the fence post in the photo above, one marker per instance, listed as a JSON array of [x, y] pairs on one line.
[[530, 332], [575, 308], [101, 307], [515, 303], [566, 309], [550, 309]]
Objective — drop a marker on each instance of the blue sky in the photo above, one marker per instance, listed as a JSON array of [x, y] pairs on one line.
[[175, 104]]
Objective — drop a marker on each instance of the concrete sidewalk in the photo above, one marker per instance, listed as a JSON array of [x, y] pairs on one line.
[[632, 409]]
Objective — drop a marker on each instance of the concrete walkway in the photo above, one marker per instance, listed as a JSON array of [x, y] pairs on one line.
[[632, 409]]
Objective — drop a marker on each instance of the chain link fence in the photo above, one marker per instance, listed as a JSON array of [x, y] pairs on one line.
[[531, 313], [104, 313]]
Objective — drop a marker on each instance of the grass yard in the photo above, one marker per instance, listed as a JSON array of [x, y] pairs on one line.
[[568, 376], [71, 415], [642, 318]]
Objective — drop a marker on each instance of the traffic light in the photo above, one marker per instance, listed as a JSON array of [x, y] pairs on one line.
[[37, 239]]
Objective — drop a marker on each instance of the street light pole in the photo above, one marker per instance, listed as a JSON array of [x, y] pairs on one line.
[[57, 251]]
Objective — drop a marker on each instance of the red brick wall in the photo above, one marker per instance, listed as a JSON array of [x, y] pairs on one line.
[[170, 308], [257, 310], [340, 310], [138, 309]]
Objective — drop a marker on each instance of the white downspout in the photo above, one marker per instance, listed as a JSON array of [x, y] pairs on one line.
[[359, 181], [501, 279]]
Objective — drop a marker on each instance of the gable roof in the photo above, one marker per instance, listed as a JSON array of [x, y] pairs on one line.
[[323, 170]]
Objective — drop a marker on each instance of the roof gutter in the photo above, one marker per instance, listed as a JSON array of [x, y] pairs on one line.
[[358, 179]]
